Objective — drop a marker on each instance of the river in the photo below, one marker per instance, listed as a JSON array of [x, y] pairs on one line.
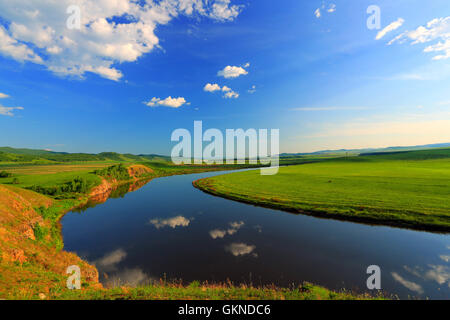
[[169, 230]]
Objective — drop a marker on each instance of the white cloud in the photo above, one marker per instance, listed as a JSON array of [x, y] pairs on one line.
[[331, 8], [247, 65], [436, 30], [407, 284], [8, 111], [445, 258], [11, 48], [37, 31], [391, 27], [252, 89], [229, 93], [240, 249], [231, 72], [317, 13], [212, 87], [167, 102], [3, 96], [222, 10], [178, 221]]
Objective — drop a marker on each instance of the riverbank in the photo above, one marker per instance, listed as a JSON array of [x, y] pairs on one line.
[[402, 193]]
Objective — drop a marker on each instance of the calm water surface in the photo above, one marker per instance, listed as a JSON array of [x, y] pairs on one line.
[[170, 229]]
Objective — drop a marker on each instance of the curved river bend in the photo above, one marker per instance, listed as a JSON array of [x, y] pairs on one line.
[[168, 229]]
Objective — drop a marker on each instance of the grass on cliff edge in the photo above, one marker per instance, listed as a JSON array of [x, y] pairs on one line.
[[406, 193], [198, 291]]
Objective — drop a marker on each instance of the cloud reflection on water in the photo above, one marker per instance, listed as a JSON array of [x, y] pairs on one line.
[[178, 221], [219, 234], [240, 249]]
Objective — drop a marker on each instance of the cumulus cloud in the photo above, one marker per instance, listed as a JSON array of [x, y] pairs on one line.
[[229, 93], [178, 221], [231, 72], [212, 87], [331, 8], [436, 30], [391, 27], [8, 111], [445, 258], [3, 96], [11, 48], [222, 10], [111, 31], [240, 249], [167, 102]]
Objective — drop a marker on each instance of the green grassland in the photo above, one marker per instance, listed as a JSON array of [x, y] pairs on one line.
[[198, 291], [405, 189]]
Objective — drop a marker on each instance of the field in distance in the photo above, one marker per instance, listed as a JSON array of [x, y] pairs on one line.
[[406, 189]]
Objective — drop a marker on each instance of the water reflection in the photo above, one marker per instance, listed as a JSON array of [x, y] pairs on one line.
[[434, 273], [241, 249], [407, 284], [111, 275], [128, 277], [219, 234], [110, 261], [115, 192], [178, 221]]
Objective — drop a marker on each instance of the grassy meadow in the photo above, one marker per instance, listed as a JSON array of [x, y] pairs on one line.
[[406, 189]]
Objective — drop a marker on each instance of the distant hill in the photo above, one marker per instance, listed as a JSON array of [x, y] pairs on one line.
[[24, 151], [437, 153], [8, 154], [370, 150]]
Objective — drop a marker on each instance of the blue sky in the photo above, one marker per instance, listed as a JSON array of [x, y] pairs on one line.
[[325, 82]]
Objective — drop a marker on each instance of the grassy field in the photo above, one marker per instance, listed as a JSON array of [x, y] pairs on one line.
[[197, 291], [406, 189]]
